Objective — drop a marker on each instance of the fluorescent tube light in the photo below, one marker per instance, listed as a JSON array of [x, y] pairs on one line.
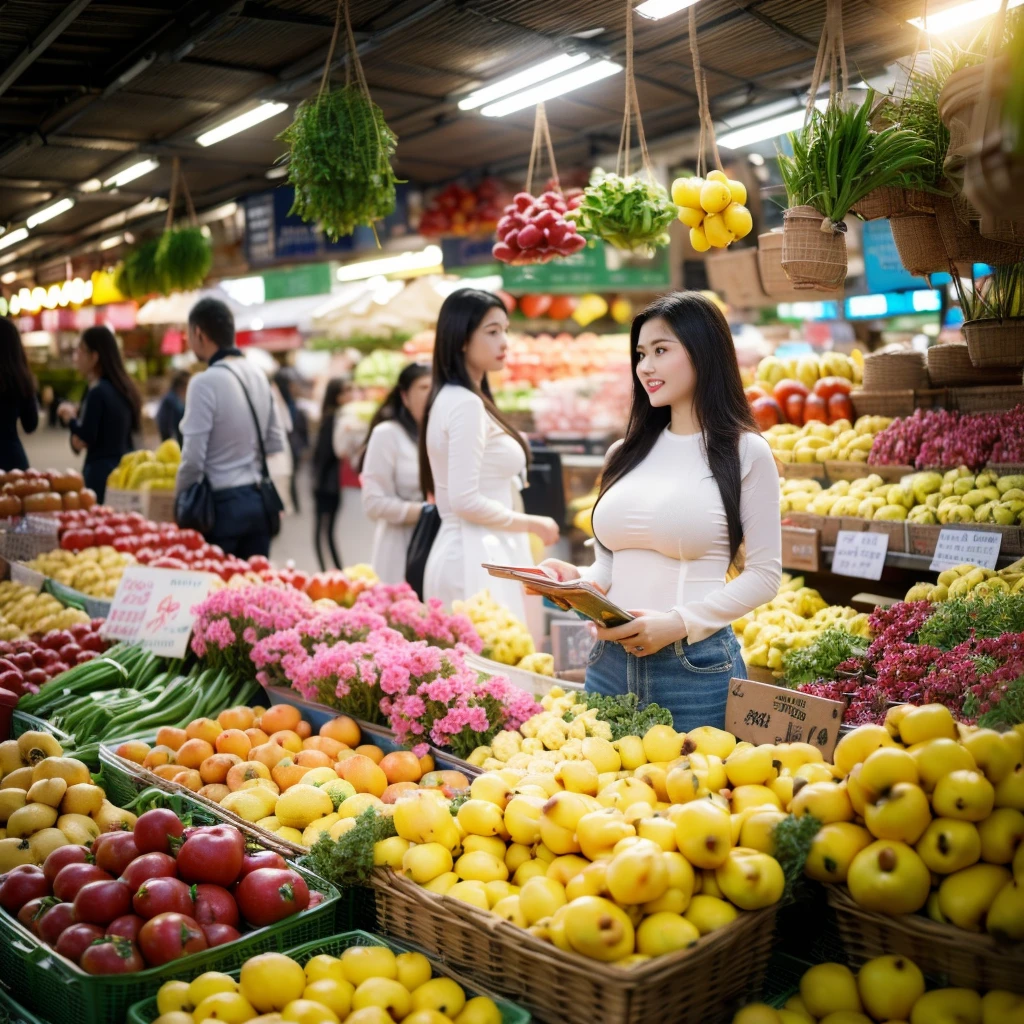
[[49, 212], [240, 123], [112, 242], [769, 129], [427, 259], [586, 75], [961, 14], [10, 277], [531, 76], [136, 170], [13, 237], [655, 9]]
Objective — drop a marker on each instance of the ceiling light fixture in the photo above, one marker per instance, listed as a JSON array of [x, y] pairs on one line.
[[426, 259], [657, 9], [92, 185], [49, 212], [277, 172], [10, 277], [136, 170], [239, 124], [961, 14], [586, 75], [769, 129], [112, 242], [531, 76], [13, 237]]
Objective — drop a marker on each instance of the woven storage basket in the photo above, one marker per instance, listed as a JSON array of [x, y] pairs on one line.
[[774, 281], [895, 371], [23, 539], [995, 342], [987, 399], [734, 275], [814, 259], [957, 103], [950, 365], [919, 243], [565, 988], [882, 403], [963, 242], [881, 203], [1002, 230], [941, 951]]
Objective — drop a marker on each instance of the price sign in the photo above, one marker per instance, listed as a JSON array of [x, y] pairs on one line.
[[762, 713], [957, 547], [153, 608], [800, 548], [860, 554]]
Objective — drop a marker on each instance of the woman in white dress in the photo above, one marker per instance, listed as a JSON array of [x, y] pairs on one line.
[[390, 471], [472, 460]]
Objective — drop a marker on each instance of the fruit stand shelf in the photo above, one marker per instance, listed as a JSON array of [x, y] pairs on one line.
[[905, 560]]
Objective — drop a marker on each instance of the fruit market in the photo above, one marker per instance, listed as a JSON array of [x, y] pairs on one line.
[[598, 598]]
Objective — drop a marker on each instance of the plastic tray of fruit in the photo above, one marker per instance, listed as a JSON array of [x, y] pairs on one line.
[[60, 990], [147, 1011]]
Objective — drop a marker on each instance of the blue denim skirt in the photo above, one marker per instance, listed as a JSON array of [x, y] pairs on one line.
[[690, 680]]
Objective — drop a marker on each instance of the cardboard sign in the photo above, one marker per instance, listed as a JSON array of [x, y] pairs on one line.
[[762, 713], [860, 554], [800, 548], [957, 547], [153, 608]]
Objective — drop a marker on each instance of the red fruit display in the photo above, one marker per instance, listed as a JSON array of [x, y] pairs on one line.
[[212, 854], [535, 229], [168, 937], [268, 895]]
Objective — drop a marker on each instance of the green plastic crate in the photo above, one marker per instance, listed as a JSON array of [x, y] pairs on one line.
[[54, 987], [16, 1013], [145, 1012]]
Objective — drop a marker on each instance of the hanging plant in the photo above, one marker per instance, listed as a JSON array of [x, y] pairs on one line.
[[183, 259], [136, 275], [340, 150]]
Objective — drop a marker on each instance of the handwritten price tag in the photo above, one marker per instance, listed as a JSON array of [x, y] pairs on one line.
[[956, 547], [860, 554], [153, 608]]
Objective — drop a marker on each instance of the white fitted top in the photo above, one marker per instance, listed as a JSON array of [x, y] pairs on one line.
[[391, 476], [663, 539]]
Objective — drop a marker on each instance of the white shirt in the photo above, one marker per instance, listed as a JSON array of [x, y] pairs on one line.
[[663, 539]]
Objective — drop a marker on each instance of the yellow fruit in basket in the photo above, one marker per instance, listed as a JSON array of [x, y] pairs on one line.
[[751, 879], [481, 818], [858, 745], [270, 981], [597, 928], [889, 986], [902, 813], [540, 897], [828, 988], [949, 845], [964, 795], [176, 1017], [1005, 918], [663, 933], [757, 1013], [426, 861], [709, 913], [703, 832], [639, 874], [947, 1004], [927, 722], [737, 219], [699, 240], [709, 741], [715, 196], [413, 970], [229, 1006], [334, 993], [387, 993], [966, 896], [996, 754], [751, 766], [889, 877], [422, 818], [936, 758], [442, 995], [322, 967], [686, 192], [362, 962], [480, 867], [833, 849], [1010, 792], [691, 217], [1001, 834], [479, 1010]]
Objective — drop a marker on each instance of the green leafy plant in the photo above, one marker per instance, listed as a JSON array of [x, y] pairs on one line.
[[955, 621], [183, 259], [793, 837], [838, 158], [349, 859], [624, 714], [339, 161], [628, 213], [818, 659], [996, 296], [137, 275]]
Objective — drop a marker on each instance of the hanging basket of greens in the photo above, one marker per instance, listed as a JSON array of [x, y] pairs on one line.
[[183, 259], [339, 152], [137, 276]]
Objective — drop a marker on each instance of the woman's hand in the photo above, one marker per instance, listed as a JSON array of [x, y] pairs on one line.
[[77, 444], [648, 633], [66, 411], [559, 570], [545, 528]]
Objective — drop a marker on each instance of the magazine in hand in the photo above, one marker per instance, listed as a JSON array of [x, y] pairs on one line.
[[577, 595]]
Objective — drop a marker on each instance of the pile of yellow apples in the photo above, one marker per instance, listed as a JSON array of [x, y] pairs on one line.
[[795, 618], [811, 368], [925, 814], [888, 988], [712, 209], [506, 640], [824, 442], [94, 571], [969, 580]]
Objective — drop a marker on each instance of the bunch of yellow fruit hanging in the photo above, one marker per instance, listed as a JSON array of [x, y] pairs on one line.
[[712, 209]]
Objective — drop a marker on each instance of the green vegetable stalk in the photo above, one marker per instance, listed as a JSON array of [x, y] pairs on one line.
[[137, 275], [819, 659], [628, 213], [624, 714]]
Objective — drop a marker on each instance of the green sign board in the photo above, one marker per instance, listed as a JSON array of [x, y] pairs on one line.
[[295, 282], [597, 268]]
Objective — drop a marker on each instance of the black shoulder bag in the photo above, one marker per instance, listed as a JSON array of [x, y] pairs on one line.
[[420, 544]]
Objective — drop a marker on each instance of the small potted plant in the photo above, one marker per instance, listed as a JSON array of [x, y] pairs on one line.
[[993, 311]]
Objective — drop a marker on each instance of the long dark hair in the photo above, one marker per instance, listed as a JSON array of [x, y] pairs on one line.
[[102, 342], [462, 313], [393, 408], [719, 404], [16, 380], [335, 386]]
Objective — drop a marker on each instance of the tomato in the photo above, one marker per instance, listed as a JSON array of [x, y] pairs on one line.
[[101, 902], [261, 859], [163, 896], [127, 926], [52, 925], [114, 851], [76, 939], [32, 911], [167, 937], [219, 934], [112, 955], [21, 886], [149, 865], [212, 854], [57, 638], [70, 878], [155, 829], [104, 535], [268, 895], [214, 905]]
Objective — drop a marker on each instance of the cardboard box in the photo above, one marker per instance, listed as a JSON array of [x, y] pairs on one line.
[[896, 529], [800, 548]]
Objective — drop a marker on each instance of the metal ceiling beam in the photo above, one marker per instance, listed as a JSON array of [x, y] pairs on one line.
[[39, 45], [263, 12], [777, 26], [223, 65]]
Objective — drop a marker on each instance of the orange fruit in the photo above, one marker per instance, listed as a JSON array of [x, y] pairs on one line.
[[287, 738], [216, 768], [215, 792], [313, 759], [426, 764], [343, 729], [236, 718], [244, 772], [190, 779], [193, 753], [135, 751], [395, 790], [168, 736], [233, 741], [256, 736], [287, 773], [159, 755], [374, 753], [401, 766], [203, 729], [363, 774], [278, 717], [304, 729], [269, 753], [332, 748], [167, 771]]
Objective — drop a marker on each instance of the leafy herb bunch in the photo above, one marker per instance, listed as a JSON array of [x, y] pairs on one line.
[[628, 213]]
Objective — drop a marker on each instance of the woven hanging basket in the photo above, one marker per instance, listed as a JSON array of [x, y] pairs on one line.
[[774, 281], [895, 371], [881, 203], [996, 342], [958, 102], [813, 250], [999, 230], [919, 243], [962, 241], [950, 366], [734, 275]]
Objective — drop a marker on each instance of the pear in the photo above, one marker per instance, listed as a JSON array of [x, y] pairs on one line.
[[947, 1006], [639, 874], [597, 928], [1005, 918], [751, 879], [965, 897], [703, 833], [598, 831], [889, 986], [828, 988]]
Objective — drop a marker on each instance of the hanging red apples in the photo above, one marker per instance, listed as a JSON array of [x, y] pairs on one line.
[[534, 230]]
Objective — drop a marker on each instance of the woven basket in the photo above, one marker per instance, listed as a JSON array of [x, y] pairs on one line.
[[950, 365], [919, 243], [774, 281], [992, 399], [957, 103], [1000, 230], [880, 203], [687, 987], [814, 259], [895, 371], [994, 179], [963, 242], [882, 403], [940, 950], [995, 342], [734, 275]]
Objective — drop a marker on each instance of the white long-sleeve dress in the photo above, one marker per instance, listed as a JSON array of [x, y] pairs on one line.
[[391, 497], [477, 470]]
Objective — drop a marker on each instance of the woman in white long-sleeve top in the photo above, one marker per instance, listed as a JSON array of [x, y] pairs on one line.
[[472, 460], [691, 481], [390, 471]]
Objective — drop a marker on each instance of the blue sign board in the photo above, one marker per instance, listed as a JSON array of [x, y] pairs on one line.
[[882, 267]]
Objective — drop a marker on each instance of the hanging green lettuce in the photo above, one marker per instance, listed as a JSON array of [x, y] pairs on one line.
[[136, 275], [183, 259], [339, 161], [628, 213]]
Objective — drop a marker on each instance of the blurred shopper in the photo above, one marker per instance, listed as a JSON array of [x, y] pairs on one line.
[[110, 413], [327, 472], [172, 407], [225, 407], [281, 464], [287, 381], [390, 471], [17, 397]]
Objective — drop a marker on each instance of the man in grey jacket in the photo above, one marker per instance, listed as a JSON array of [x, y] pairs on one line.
[[219, 432]]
